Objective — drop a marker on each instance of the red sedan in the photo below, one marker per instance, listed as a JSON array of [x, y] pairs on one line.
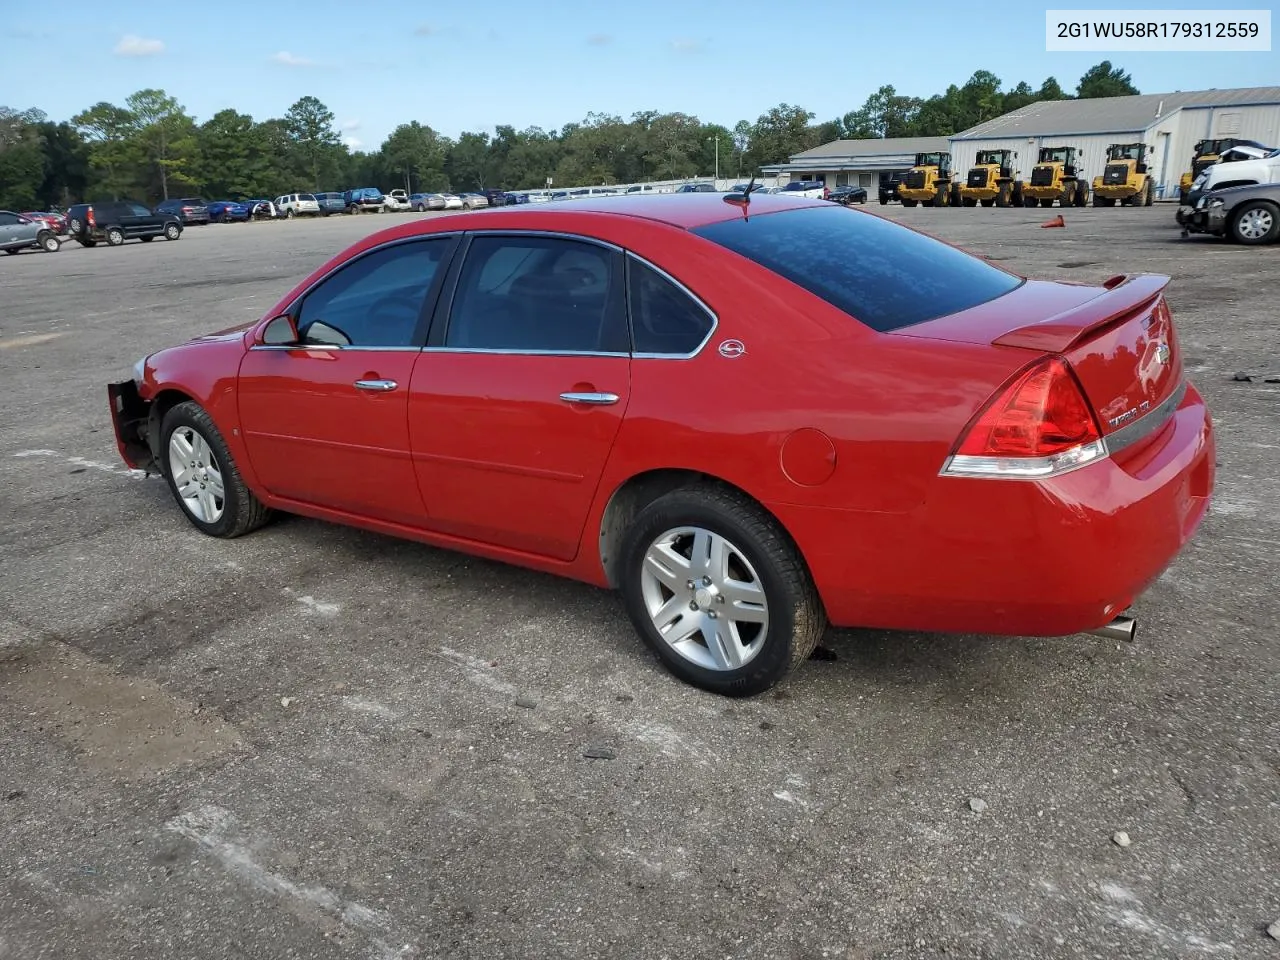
[[752, 420]]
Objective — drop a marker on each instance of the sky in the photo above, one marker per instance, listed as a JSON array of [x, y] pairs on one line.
[[459, 66]]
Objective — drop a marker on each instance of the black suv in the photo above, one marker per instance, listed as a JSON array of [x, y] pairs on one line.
[[190, 210], [889, 183], [116, 221]]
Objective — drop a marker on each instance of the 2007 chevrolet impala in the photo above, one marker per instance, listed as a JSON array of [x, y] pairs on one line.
[[753, 418]]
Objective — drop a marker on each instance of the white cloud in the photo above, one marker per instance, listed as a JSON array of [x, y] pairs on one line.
[[355, 143], [349, 126], [685, 45], [287, 59], [131, 45]]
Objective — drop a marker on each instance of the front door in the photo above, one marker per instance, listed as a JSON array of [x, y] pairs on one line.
[[325, 421], [514, 408]]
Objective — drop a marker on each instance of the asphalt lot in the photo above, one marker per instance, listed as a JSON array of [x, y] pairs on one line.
[[315, 742]]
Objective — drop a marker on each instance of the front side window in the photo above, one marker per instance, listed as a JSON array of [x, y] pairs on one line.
[[879, 272], [538, 294], [664, 319], [376, 300]]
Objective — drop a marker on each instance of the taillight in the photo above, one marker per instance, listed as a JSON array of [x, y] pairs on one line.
[[88, 217], [1039, 425]]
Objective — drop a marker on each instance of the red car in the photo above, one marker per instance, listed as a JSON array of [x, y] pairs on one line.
[[751, 419], [55, 222]]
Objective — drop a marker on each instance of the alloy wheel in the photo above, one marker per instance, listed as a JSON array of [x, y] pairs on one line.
[[196, 475]]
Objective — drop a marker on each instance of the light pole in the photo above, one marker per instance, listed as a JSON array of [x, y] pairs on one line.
[[717, 140]]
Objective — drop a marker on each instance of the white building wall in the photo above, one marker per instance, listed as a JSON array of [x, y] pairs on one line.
[[1261, 123]]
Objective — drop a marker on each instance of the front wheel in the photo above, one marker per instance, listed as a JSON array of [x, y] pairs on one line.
[[172, 232], [202, 476], [718, 591]]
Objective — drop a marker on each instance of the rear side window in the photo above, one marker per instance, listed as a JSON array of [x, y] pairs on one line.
[[664, 319], [878, 272]]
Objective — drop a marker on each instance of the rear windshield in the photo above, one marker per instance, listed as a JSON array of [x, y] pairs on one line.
[[878, 272]]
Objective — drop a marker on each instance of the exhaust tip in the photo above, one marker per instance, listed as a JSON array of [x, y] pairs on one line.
[[1121, 628]]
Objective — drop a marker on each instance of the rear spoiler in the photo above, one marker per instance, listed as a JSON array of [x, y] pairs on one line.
[[1125, 295]]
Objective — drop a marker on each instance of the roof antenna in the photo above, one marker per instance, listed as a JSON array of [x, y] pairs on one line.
[[745, 200]]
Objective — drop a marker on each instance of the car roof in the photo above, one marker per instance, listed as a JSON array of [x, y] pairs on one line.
[[685, 210]]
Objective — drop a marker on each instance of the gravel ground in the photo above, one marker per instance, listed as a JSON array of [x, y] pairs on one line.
[[319, 743]]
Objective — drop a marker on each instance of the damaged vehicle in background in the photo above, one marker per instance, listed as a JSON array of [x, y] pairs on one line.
[[1248, 214]]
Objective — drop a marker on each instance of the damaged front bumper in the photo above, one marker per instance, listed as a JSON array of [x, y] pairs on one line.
[[131, 417], [1211, 219]]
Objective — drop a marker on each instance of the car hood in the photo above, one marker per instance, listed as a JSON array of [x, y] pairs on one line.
[[231, 333]]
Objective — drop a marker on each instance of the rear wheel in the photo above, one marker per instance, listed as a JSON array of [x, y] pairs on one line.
[[289, 214], [1255, 222], [48, 242], [115, 236], [1030, 202], [1046, 203], [1149, 195], [908, 203], [202, 476], [718, 592]]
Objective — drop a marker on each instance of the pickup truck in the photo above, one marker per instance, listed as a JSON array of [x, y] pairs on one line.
[[1236, 173], [806, 188]]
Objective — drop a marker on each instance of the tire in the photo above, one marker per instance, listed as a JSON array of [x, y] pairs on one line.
[[1030, 201], [1149, 195], [1046, 203], [240, 511], [49, 243], [11, 251], [115, 236], [883, 202], [172, 232], [1082, 195], [289, 214], [73, 227], [1097, 200], [146, 239], [758, 553], [1255, 222]]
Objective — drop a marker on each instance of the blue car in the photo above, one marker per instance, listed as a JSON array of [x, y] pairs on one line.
[[330, 203], [228, 211]]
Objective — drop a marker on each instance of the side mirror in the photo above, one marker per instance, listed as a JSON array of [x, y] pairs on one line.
[[280, 331]]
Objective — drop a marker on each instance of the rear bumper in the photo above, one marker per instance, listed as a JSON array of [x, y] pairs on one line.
[[1017, 558]]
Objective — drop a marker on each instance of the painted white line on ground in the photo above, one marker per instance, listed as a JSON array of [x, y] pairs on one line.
[[478, 671], [119, 471], [213, 828], [28, 341]]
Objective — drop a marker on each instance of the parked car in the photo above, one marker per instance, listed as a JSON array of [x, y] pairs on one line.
[[228, 211], [451, 201], [115, 221], [473, 201], [365, 199], [1038, 478], [1248, 214], [848, 194], [19, 232], [297, 205], [331, 203], [495, 198], [191, 210], [889, 183], [397, 201], [56, 222], [1237, 173], [696, 188], [812, 189], [423, 202], [260, 209]]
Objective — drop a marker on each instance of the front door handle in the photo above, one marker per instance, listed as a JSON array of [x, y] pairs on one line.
[[596, 398], [379, 385]]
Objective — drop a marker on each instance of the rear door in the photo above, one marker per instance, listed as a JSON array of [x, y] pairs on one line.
[[138, 221], [515, 403]]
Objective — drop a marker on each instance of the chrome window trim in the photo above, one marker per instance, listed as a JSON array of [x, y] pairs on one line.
[[527, 353], [327, 347], [702, 304]]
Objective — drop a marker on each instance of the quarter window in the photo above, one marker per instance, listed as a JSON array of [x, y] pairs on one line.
[[664, 319], [538, 294], [376, 300]]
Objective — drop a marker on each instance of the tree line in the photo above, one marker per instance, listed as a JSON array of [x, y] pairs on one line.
[[151, 148]]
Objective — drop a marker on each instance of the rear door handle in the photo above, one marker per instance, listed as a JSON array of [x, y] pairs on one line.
[[601, 399], [379, 385]]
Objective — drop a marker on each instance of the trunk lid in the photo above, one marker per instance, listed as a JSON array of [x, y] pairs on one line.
[[1118, 338]]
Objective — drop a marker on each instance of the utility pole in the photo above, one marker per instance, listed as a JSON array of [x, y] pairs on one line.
[[717, 140]]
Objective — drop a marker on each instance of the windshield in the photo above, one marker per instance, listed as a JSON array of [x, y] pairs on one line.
[[990, 156], [880, 273], [1125, 151], [306, 196], [1055, 155]]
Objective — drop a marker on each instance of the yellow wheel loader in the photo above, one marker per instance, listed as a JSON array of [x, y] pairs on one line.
[[928, 183], [1126, 177], [991, 181], [1056, 176]]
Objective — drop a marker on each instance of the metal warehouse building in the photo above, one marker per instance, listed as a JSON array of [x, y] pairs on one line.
[[858, 162], [1170, 123]]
